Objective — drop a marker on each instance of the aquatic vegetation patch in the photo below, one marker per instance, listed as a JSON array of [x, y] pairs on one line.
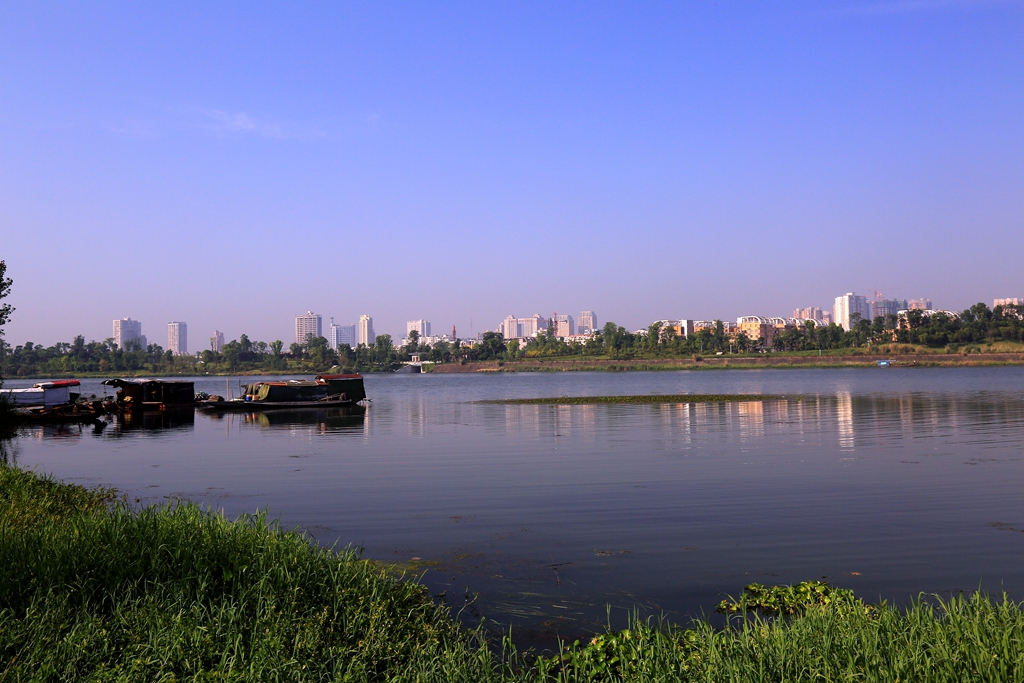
[[649, 398]]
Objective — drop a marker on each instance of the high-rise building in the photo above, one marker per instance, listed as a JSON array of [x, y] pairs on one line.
[[309, 324], [522, 328], [1012, 301], [847, 307], [564, 325], [920, 305], [809, 313], [882, 308], [126, 330], [177, 338], [422, 327], [586, 323], [366, 336], [341, 334], [217, 341]]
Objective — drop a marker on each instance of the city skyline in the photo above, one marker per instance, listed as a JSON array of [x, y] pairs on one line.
[[564, 325], [698, 159]]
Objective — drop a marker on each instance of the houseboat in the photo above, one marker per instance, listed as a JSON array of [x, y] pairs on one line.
[[324, 391], [153, 394], [45, 394]]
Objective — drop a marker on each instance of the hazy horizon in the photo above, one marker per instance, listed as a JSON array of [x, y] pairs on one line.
[[232, 167]]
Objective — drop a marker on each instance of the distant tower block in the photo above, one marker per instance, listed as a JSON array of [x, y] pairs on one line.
[[453, 333]]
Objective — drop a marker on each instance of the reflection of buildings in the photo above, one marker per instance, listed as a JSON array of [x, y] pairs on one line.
[[844, 419]]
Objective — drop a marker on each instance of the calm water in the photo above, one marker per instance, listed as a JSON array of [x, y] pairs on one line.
[[890, 482]]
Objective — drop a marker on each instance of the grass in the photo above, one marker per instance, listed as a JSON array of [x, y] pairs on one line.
[[93, 590], [651, 398]]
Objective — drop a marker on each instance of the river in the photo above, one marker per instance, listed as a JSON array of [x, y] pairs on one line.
[[887, 481]]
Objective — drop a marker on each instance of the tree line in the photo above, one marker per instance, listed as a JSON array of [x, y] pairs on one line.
[[237, 356], [968, 330]]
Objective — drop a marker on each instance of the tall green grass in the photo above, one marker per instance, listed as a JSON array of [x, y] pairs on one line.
[[179, 593], [92, 590]]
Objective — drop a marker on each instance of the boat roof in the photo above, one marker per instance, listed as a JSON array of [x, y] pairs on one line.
[[118, 382]]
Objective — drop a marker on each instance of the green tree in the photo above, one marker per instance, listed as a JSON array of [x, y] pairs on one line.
[[413, 342], [5, 289], [321, 354], [5, 314], [491, 347], [383, 351]]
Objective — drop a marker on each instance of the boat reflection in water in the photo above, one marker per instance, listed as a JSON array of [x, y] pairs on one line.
[[177, 419], [320, 420]]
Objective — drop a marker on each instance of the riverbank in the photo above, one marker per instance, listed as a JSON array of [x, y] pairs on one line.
[[92, 588], [733, 362]]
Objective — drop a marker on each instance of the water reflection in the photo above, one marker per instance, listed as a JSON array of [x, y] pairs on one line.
[[312, 421], [181, 419]]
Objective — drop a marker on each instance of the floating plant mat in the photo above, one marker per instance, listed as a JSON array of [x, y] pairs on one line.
[[654, 398]]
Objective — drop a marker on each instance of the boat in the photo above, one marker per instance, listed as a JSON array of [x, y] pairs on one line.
[[44, 394], [52, 402], [324, 391], [153, 394]]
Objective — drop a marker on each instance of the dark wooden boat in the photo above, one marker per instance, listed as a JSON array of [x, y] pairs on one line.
[[324, 391], [153, 394]]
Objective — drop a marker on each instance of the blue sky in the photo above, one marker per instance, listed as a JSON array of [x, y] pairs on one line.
[[234, 165]]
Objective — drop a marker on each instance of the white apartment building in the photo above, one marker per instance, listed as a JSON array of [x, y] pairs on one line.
[[341, 334], [422, 328], [217, 341], [586, 323], [847, 306], [125, 330], [308, 324], [1012, 301], [564, 325], [366, 335], [177, 338], [522, 328]]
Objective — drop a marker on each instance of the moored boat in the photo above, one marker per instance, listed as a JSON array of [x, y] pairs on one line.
[[324, 391], [153, 394]]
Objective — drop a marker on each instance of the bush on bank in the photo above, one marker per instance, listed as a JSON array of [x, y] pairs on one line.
[[91, 590]]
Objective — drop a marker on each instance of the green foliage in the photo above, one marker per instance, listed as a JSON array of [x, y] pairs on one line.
[[959, 639], [179, 593], [5, 289], [797, 599]]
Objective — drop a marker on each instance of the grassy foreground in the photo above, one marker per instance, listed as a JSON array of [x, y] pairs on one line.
[[91, 590]]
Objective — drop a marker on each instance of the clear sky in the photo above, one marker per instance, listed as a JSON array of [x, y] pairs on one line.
[[232, 165]]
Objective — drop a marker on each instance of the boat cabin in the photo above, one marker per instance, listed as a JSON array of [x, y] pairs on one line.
[[48, 394], [322, 387], [153, 393]]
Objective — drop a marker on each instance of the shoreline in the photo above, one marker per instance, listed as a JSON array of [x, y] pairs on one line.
[[776, 361], [584, 364]]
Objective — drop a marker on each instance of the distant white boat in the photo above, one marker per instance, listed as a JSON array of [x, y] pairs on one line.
[[46, 394]]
